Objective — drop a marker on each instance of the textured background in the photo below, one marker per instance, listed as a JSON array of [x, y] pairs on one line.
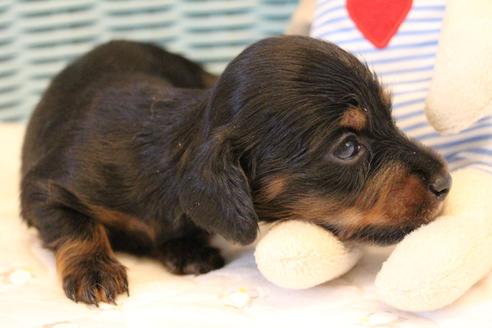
[[37, 38]]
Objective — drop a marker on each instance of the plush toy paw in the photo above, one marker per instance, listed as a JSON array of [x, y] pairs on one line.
[[459, 83], [297, 255], [436, 264]]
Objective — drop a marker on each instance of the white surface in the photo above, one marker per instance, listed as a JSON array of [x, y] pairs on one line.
[[31, 295]]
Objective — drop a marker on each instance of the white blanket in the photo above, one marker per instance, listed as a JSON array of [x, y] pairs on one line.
[[234, 296]]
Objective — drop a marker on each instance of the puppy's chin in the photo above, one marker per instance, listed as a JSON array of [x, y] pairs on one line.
[[435, 212], [382, 235], [372, 234]]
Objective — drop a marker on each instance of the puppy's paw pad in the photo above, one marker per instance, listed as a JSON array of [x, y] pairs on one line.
[[93, 283], [198, 261], [206, 260]]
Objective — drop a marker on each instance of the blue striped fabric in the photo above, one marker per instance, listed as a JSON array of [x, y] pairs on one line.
[[405, 66], [39, 37]]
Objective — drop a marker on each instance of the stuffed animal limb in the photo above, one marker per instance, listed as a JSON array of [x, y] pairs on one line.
[[461, 89], [297, 255], [439, 262]]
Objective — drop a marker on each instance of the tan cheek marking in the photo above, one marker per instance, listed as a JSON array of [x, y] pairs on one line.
[[371, 206], [377, 198], [123, 221], [354, 118], [350, 217], [274, 188], [314, 209], [324, 211], [381, 185], [403, 202], [398, 195], [391, 198], [414, 195]]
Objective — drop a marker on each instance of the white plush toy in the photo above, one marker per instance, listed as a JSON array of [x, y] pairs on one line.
[[309, 256], [439, 262]]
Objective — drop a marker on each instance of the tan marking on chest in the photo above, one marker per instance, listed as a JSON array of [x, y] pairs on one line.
[[123, 221]]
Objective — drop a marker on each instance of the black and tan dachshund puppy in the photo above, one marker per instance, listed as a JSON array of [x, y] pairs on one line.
[[136, 149]]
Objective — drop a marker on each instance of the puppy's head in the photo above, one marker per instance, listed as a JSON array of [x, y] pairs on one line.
[[297, 128]]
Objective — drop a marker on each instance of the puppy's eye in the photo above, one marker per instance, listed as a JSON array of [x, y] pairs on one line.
[[348, 149], [353, 102]]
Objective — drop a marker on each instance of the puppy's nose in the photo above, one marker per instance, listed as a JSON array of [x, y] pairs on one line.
[[440, 185]]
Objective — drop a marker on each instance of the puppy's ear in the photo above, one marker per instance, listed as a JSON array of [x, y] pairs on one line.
[[215, 193]]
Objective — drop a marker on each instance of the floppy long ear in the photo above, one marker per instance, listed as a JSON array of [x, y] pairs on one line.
[[215, 193]]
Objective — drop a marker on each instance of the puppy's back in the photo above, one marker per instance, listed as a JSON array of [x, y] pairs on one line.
[[69, 94]]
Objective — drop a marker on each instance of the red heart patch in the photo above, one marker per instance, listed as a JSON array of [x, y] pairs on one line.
[[378, 20]]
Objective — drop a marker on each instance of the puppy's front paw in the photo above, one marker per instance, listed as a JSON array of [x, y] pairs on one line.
[[189, 256], [94, 280]]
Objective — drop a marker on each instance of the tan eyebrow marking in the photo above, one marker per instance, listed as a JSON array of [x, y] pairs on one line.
[[354, 118], [386, 96]]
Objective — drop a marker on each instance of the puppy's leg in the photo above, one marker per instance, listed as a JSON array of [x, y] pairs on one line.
[[89, 269], [84, 258], [190, 254]]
